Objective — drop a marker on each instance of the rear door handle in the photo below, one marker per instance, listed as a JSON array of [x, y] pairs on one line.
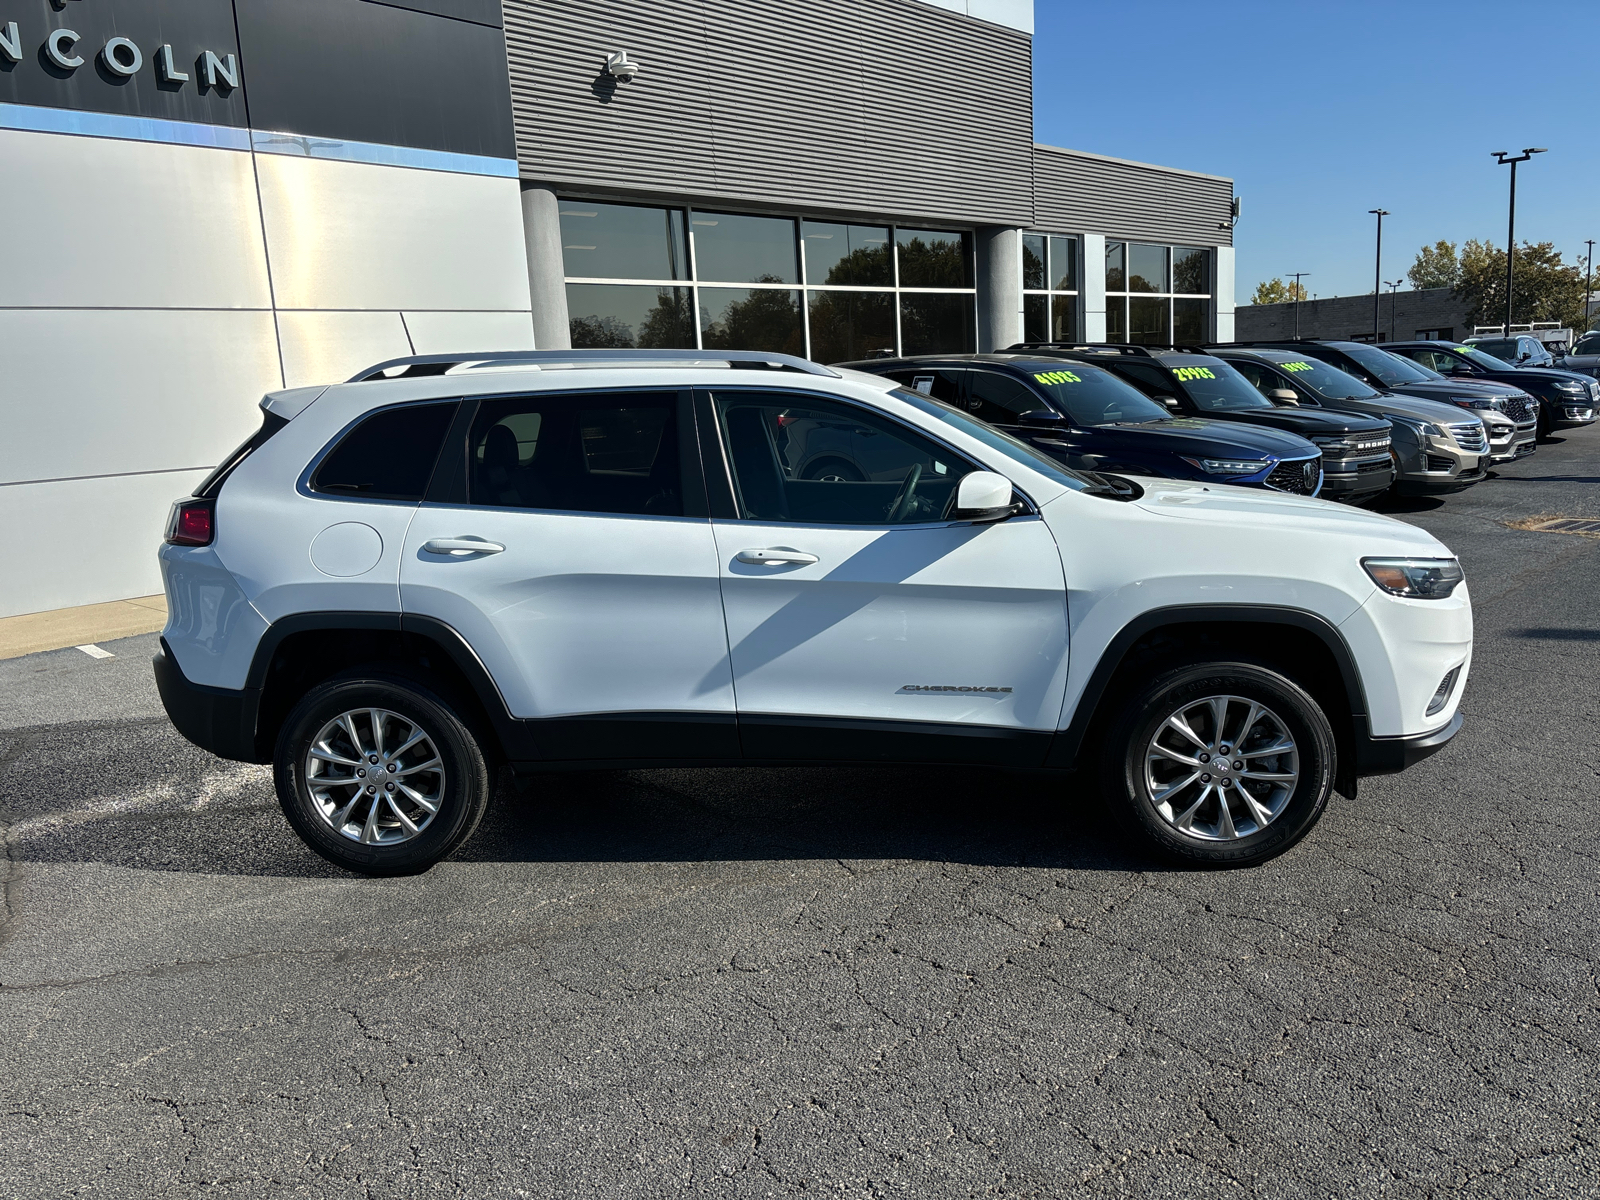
[[776, 556], [461, 545]]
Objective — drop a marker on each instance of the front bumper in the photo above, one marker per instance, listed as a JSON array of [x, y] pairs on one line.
[[1570, 416], [1390, 755], [220, 720], [1356, 478]]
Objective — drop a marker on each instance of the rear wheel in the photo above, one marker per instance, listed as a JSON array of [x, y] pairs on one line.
[[1223, 764], [378, 774]]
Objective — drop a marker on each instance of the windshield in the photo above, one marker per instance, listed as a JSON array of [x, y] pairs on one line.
[[1090, 397], [1389, 368], [1588, 344], [1325, 382], [1504, 348], [1487, 361], [1013, 449], [1217, 387]]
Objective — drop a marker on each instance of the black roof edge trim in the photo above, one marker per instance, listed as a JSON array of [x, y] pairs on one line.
[[417, 365]]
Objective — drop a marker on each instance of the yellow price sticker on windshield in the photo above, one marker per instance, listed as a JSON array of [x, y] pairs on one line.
[[1057, 377], [1184, 373], [1296, 366]]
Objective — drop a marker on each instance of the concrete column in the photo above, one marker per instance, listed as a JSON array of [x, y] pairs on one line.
[[999, 288], [1222, 294], [1093, 295], [547, 287]]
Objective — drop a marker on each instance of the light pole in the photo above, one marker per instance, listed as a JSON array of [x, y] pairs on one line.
[[1392, 285], [1588, 283], [1504, 157], [1377, 270], [1297, 277]]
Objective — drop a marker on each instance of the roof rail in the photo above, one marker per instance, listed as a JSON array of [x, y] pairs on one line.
[[417, 365], [1124, 349]]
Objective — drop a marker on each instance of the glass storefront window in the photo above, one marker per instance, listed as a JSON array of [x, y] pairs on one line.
[[1033, 262], [615, 316], [851, 255], [846, 326], [734, 248], [1188, 322], [1189, 271], [1147, 268], [844, 305], [1036, 318], [1063, 318], [1166, 300], [934, 260], [1147, 321], [1064, 264], [934, 323], [622, 241], [751, 319], [1116, 267], [1116, 318]]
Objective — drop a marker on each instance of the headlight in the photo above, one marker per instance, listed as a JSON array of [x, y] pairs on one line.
[[1420, 428], [1416, 578], [1228, 466], [1497, 404], [1577, 389]]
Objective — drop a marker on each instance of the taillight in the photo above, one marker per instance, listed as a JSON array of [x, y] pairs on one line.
[[192, 523]]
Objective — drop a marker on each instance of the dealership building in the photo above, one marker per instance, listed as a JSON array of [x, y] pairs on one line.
[[202, 201]]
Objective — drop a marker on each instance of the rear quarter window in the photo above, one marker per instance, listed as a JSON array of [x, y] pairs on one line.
[[388, 456]]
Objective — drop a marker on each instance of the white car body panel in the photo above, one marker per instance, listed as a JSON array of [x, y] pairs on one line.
[[583, 612], [888, 610]]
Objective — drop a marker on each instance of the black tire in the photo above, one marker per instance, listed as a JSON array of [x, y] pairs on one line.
[[835, 470], [1298, 805], [462, 788]]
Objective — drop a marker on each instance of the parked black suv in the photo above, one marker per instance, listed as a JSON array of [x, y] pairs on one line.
[[1565, 398], [1355, 450], [1091, 420]]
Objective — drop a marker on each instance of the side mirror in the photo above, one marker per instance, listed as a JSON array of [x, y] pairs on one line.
[[1042, 418], [1284, 397], [983, 496], [1170, 401]]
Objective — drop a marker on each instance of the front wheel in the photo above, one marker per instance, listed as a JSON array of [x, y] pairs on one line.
[[378, 774], [1221, 764]]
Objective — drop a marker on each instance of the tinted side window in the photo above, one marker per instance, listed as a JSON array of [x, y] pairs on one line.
[[606, 452], [389, 456], [1000, 399], [1260, 378], [814, 462], [1148, 378]]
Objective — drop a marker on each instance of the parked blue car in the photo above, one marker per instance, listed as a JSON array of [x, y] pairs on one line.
[[1091, 420]]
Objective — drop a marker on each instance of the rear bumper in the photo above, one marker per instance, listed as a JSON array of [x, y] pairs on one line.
[[220, 720], [1389, 755]]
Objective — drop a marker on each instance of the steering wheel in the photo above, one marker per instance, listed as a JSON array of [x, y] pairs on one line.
[[900, 506]]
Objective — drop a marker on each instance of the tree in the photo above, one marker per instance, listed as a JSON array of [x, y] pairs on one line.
[[1546, 288], [1276, 291], [1437, 266]]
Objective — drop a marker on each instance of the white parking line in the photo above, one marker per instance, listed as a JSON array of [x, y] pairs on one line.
[[94, 651]]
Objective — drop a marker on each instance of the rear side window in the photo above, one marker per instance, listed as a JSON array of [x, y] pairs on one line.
[[604, 452], [389, 456]]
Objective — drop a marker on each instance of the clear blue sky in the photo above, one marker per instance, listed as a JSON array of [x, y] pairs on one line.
[[1321, 111]]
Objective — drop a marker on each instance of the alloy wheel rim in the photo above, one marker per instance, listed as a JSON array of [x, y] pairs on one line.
[[375, 776], [1221, 768]]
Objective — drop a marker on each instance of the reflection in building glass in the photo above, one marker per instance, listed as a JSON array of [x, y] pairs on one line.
[[751, 319], [846, 326], [850, 255], [622, 316], [622, 241], [931, 259], [736, 248]]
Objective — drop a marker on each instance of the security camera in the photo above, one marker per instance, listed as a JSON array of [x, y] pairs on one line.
[[620, 66]]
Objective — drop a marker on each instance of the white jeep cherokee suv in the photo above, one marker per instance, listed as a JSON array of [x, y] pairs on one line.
[[557, 560]]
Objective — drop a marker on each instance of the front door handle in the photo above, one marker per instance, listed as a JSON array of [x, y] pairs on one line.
[[776, 556], [461, 545]]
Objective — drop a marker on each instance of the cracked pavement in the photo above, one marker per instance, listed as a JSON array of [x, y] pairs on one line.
[[851, 983]]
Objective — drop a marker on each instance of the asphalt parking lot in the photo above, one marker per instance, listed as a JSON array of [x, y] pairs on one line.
[[843, 982]]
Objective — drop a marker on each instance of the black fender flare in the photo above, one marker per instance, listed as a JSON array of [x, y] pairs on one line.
[[1064, 753]]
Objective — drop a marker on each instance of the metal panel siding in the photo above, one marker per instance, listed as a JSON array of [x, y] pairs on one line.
[[1082, 192], [798, 104]]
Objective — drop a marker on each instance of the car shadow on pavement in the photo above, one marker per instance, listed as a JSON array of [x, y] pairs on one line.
[[1407, 504], [134, 794]]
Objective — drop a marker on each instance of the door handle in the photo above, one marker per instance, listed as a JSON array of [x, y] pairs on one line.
[[776, 556], [461, 545]]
